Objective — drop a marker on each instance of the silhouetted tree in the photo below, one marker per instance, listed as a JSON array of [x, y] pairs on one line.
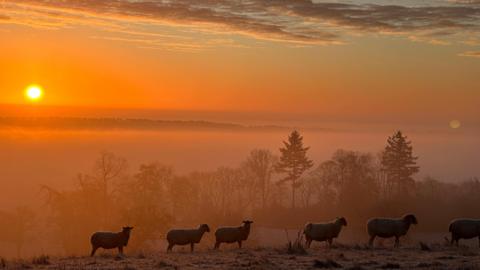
[[75, 214], [325, 178], [355, 183], [260, 164], [108, 168], [399, 164], [293, 161], [143, 202], [16, 227]]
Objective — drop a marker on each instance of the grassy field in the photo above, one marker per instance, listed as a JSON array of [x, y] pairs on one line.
[[339, 257]]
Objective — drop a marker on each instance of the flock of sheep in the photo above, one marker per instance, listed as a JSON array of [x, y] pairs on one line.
[[381, 227]]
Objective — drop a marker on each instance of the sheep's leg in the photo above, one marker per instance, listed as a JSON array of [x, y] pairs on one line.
[[370, 242], [309, 242], [169, 248], [94, 249], [239, 244], [397, 241], [452, 240], [329, 242], [217, 245], [191, 247], [120, 250]]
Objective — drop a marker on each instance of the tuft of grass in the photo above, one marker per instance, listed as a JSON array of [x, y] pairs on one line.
[[162, 264], [141, 255], [356, 267], [424, 246], [390, 266], [296, 247], [326, 264], [41, 260]]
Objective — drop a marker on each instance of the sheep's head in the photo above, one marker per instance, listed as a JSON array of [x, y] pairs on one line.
[[247, 223], [205, 228], [308, 227], [410, 218], [342, 221], [127, 230]]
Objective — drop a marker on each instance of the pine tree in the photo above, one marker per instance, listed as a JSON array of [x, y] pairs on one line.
[[398, 162], [293, 161]]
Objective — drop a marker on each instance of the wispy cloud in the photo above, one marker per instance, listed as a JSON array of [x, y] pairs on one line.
[[475, 54], [293, 21]]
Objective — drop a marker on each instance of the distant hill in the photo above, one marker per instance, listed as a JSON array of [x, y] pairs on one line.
[[72, 123]]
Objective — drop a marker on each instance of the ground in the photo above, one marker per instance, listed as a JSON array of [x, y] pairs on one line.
[[342, 256]]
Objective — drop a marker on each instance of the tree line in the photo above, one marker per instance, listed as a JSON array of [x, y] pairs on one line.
[[280, 190]]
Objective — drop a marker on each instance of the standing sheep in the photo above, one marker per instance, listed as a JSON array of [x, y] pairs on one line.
[[110, 240], [390, 227], [186, 236], [464, 229], [323, 231], [233, 234]]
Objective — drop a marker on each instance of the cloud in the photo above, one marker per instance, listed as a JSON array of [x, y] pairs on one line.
[[4, 17], [475, 54], [294, 21]]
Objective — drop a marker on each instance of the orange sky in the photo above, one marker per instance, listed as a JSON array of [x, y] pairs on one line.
[[119, 55]]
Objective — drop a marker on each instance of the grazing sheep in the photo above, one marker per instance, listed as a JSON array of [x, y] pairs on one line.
[[233, 234], [464, 229], [323, 231], [109, 240], [186, 236], [390, 227]]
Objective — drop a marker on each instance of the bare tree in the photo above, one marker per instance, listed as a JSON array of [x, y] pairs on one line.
[[260, 164], [16, 227], [107, 169], [144, 201]]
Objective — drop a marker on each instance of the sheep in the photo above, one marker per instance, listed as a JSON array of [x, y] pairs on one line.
[[232, 234], [186, 236], [464, 229], [324, 231], [110, 240], [390, 227]]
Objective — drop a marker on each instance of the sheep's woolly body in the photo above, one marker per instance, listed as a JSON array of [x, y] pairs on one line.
[[386, 228], [186, 236], [109, 240], [464, 229], [323, 231], [390, 227], [232, 234]]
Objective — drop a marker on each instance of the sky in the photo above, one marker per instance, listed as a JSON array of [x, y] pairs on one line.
[[409, 61]]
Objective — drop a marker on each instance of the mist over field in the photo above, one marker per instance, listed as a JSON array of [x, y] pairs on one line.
[[31, 158], [233, 134], [54, 153]]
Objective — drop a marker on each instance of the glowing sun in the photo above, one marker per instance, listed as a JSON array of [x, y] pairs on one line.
[[455, 124], [34, 92]]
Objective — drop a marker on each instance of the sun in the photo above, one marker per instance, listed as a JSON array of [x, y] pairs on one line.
[[34, 92], [455, 124]]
